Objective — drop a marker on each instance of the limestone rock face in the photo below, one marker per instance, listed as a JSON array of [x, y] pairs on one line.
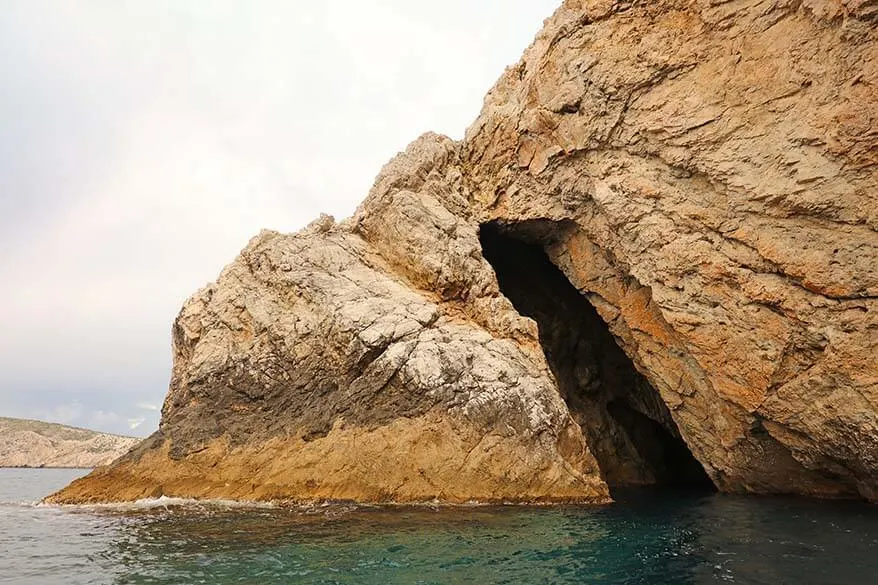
[[717, 164], [315, 367], [652, 259], [31, 443]]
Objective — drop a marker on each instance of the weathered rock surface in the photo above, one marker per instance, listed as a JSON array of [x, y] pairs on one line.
[[657, 241], [30, 443], [310, 371]]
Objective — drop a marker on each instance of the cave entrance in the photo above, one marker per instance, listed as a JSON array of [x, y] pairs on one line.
[[627, 425]]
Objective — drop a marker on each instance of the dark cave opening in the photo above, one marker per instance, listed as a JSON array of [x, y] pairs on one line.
[[628, 427]]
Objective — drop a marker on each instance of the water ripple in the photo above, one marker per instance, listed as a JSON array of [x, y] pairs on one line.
[[648, 538]]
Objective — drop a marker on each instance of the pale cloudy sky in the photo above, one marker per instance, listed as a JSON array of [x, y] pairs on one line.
[[143, 143]]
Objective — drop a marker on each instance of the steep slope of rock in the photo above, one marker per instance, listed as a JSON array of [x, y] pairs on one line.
[[30, 443], [653, 258], [710, 169], [313, 369]]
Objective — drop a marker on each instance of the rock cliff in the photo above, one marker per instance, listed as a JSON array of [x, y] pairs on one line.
[[31, 443], [652, 259]]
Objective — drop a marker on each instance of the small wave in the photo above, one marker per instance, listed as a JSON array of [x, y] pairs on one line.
[[165, 502], [19, 504], [320, 507]]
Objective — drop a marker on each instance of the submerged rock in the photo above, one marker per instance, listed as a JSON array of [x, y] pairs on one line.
[[652, 259]]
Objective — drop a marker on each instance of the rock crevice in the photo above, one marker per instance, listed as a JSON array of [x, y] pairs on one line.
[[628, 427]]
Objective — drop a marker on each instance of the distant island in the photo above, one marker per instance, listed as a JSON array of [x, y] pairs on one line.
[[31, 443]]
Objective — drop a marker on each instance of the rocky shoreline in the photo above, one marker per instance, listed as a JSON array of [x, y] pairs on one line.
[[653, 259]]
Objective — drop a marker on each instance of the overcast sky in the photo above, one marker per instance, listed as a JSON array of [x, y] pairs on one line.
[[143, 143]]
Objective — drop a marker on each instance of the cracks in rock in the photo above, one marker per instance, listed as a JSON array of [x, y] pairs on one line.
[[786, 12], [827, 473], [792, 279], [585, 20], [658, 76], [699, 224]]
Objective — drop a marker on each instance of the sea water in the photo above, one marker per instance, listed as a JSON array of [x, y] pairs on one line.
[[648, 537]]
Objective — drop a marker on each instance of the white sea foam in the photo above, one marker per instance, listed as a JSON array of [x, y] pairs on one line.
[[165, 502], [19, 504]]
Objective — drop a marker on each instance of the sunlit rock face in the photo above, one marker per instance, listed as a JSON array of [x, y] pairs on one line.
[[374, 360], [652, 259]]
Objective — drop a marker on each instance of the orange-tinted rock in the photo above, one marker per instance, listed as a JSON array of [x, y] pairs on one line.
[[702, 173], [714, 160]]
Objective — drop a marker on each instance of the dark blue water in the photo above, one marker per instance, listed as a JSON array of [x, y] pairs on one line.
[[647, 538]]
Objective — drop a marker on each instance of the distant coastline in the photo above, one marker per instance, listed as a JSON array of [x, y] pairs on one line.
[[33, 444], [44, 467]]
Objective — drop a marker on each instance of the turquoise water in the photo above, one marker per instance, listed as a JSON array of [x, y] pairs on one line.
[[648, 538]]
